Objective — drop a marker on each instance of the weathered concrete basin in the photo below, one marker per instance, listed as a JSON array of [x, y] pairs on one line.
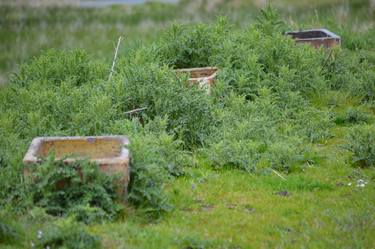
[[109, 152], [203, 76], [316, 37]]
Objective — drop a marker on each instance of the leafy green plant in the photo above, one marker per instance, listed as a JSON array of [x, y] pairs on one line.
[[7, 233], [156, 159], [263, 133], [55, 67], [79, 189], [352, 116], [184, 47], [188, 109], [269, 21], [353, 73], [66, 234], [361, 142]]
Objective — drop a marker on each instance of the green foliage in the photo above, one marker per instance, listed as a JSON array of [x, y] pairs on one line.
[[274, 76], [66, 234], [261, 134], [12, 190], [184, 47], [352, 72], [163, 94], [148, 178], [156, 158], [353, 115], [357, 40], [361, 142], [267, 111], [55, 67], [260, 114], [7, 233], [79, 190], [269, 21]]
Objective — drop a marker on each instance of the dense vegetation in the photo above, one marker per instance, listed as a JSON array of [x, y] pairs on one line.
[[273, 105]]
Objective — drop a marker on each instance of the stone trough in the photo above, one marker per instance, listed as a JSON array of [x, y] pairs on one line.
[[203, 76], [109, 152], [316, 37]]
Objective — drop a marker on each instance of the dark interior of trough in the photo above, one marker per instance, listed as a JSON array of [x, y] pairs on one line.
[[308, 34]]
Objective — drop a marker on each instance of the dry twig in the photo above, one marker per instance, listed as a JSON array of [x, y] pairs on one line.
[[278, 174], [136, 110], [115, 58]]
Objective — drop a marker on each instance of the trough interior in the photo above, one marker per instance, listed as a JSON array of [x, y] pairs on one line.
[[200, 73], [308, 34], [85, 148]]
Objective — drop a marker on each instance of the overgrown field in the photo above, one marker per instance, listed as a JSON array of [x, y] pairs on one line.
[[281, 154]]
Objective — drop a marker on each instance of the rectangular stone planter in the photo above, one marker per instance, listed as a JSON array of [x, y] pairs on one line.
[[109, 152], [203, 76], [316, 37]]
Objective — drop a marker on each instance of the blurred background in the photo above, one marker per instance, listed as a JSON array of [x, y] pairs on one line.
[[29, 26]]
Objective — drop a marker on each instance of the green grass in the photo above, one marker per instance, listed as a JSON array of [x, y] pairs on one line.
[[317, 204], [234, 210], [230, 209]]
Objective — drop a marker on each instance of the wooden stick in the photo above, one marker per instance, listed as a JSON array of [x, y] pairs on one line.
[[274, 171], [115, 58], [136, 110]]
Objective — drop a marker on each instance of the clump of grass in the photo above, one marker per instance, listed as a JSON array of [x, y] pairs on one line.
[[361, 142], [156, 159], [184, 47], [257, 135], [54, 67], [353, 73], [353, 115], [65, 234], [7, 233]]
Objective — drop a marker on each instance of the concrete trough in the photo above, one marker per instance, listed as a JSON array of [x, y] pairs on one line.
[[316, 37], [203, 76], [109, 152]]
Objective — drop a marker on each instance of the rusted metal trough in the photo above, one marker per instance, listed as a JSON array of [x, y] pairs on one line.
[[316, 37], [109, 152], [203, 76]]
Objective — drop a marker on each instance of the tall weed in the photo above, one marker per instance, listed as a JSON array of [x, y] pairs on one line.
[[79, 190], [361, 142]]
